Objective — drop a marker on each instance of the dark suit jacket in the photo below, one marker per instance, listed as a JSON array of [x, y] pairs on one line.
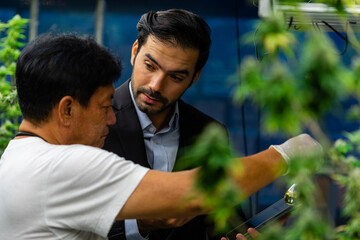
[[126, 140]]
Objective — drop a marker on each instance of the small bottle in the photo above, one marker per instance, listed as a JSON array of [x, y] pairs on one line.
[[290, 195]]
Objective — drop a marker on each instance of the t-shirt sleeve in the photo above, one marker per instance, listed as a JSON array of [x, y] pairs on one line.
[[87, 187]]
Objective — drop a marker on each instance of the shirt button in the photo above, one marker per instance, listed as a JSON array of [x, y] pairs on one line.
[[152, 129]]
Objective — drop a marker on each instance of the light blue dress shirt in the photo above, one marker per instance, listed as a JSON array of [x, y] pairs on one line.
[[161, 151]]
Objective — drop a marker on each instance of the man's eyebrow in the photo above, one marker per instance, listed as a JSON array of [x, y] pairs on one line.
[[185, 72]]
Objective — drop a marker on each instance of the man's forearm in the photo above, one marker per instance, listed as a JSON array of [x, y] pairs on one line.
[[255, 172], [166, 195]]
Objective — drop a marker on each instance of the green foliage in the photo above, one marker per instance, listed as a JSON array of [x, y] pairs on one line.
[[322, 75], [274, 37], [295, 95], [311, 221], [347, 175], [299, 91], [12, 35], [211, 151], [273, 89], [340, 5]]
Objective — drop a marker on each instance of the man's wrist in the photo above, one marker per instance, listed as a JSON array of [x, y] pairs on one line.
[[283, 155]]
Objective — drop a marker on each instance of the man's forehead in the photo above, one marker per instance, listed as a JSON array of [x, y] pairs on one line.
[[180, 59]]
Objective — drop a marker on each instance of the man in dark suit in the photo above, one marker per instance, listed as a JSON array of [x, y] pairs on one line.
[[127, 140], [153, 124]]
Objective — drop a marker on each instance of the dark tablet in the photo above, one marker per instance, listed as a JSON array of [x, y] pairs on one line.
[[272, 213]]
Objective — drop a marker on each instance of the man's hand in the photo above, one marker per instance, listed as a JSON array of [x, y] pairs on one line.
[[301, 146], [252, 232], [148, 225]]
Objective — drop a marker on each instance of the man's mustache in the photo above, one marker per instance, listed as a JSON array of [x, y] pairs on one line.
[[153, 94]]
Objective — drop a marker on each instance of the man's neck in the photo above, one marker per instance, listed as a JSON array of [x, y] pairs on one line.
[[41, 131]]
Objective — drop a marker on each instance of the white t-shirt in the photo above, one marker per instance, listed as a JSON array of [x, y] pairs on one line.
[[62, 191]]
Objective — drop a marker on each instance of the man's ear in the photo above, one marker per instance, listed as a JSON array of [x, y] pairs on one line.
[[134, 50], [196, 77], [65, 110]]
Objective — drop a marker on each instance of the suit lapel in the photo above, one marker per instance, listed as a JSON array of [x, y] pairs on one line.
[[129, 129], [186, 133]]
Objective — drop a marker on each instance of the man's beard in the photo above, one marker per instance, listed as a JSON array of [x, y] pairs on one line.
[[146, 108]]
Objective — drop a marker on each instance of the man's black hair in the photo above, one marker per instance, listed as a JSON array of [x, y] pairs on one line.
[[179, 28], [53, 66]]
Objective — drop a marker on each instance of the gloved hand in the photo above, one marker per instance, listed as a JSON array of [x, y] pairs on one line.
[[301, 146]]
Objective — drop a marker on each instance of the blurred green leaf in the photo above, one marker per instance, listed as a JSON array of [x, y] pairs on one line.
[[11, 41], [295, 87], [212, 152]]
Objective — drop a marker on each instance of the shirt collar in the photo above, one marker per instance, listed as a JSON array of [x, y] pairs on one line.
[[145, 121]]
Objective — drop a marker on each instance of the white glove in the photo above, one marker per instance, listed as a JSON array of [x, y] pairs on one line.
[[301, 146]]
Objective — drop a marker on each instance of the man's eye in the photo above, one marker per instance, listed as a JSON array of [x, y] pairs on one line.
[[149, 66], [176, 78]]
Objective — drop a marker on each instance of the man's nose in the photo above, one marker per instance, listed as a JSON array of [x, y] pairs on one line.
[[111, 119], [157, 81]]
